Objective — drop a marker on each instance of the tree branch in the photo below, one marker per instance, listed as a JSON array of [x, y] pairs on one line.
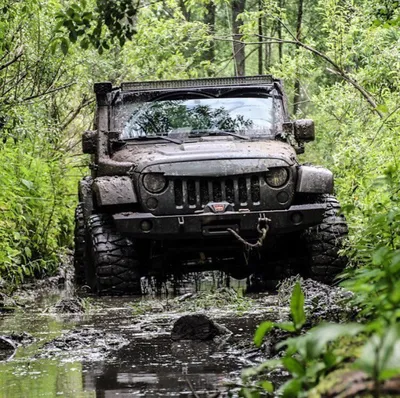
[[48, 92], [15, 59], [70, 118], [337, 69]]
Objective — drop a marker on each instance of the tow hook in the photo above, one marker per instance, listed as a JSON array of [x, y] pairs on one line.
[[262, 229]]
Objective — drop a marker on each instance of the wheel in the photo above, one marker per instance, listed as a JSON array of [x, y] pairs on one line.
[[80, 241], [324, 241], [113, 257]]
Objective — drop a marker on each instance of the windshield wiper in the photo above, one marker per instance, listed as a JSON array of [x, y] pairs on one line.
[[159, 137], [220, 132]]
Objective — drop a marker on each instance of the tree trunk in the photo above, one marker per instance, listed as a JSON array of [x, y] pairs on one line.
[[209, 19], [297, 87], [239, 54], [267, 50], [280, 45], [184, 9], [260, 39]]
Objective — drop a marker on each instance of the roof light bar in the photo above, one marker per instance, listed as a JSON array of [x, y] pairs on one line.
[[197, 83]]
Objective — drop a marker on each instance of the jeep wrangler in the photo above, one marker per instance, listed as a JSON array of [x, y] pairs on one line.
[[202, 174]]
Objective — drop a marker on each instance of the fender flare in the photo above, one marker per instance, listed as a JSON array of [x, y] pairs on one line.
[[312, 179], [116, 190]]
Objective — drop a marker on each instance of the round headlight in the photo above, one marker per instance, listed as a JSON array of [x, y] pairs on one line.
[[154, 183], [277, 177]]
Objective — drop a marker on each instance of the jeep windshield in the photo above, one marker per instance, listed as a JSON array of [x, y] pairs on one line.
[[244, 116]]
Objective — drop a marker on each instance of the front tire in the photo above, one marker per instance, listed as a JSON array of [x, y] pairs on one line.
[[114, 258], [324, 241], [80, 244]]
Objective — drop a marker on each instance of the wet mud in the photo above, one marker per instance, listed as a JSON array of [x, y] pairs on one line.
[[74, 345]]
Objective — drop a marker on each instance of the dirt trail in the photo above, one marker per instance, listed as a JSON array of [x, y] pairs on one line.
[[78, 346]]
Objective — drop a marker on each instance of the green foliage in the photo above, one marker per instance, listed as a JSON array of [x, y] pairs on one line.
[[307, 357], [99, 24], [296, 311], [311, 356], [35, 211], [37, 110], [380, 357]]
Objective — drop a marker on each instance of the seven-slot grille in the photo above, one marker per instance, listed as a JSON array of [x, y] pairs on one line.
[[195, 193]]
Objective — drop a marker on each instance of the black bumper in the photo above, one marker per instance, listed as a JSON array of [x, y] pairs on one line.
[[146, 225]]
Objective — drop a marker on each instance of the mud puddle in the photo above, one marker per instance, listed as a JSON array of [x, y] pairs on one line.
[[106, 347], [119, 347]]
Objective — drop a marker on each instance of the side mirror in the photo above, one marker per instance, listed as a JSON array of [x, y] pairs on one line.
[[89, 142], [304, 130]]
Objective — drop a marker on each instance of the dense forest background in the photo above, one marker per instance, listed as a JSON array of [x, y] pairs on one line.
[[340, 61]]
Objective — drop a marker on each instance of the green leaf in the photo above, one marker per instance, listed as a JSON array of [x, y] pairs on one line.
[[291, 388], [379, 255], [382, 108], [28, 252], [297, 307], [369, 356], [70, 12], [287, 326], [389, 353], [85, 43], [28, 184], [330, 359], [247, 393], [64, 46], [53, 47], [261, 331], [73, 36], [267, 386], [293, 366], [318, 337]]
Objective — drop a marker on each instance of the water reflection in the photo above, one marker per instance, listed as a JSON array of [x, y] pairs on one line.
[[151, 365]]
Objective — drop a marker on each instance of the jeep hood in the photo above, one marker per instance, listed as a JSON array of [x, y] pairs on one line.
[[209, 156]]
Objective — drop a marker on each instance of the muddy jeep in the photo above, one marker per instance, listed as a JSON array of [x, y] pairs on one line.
[[194, 175]]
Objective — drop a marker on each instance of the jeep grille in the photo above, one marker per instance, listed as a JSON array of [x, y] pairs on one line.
[[196, 193]]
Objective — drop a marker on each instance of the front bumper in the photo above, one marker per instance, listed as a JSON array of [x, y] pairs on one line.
[[146, 225]]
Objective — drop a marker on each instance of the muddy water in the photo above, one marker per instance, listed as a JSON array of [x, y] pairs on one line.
[[149, 364]]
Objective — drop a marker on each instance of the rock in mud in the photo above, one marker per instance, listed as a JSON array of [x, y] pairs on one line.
[[196, 327], [7, 348]]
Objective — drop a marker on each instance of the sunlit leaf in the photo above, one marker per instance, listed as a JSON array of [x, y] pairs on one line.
[[267, 386], [261, 331], [297, 306], [28, 252], [293, 366]]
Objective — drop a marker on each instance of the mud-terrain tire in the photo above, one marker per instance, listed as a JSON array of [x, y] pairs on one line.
[[324, 241], [80, 244], [114, 259]]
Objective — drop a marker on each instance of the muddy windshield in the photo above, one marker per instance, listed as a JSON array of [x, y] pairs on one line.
[[203, 116]]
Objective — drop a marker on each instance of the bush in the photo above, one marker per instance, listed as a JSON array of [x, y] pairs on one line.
[[36, 207]]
